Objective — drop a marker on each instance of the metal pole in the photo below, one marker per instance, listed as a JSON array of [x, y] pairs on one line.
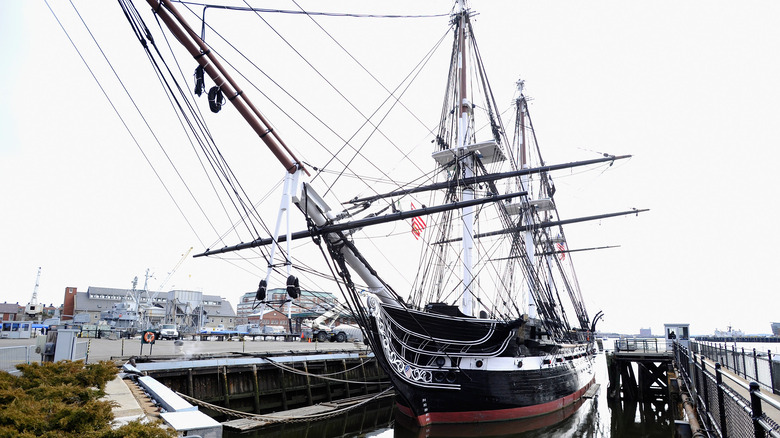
[[755, 406], [734, 359], [705, 390], [696, 380], [755, 363], [721, 404], [771, 372]]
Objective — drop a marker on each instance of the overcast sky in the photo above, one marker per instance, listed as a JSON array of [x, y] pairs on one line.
[[690, 89]]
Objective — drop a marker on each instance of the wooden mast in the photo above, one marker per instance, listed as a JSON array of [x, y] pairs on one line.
[[467, 162]]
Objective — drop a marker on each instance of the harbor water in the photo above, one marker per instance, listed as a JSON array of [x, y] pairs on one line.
[[597, 417]]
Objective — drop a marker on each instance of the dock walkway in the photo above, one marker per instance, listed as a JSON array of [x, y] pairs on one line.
[[741, 386], [126, 405]]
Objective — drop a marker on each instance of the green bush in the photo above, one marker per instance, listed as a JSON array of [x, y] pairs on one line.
[[62, 400]]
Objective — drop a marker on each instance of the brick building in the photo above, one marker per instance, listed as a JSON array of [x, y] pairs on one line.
[[307, 302], [269, 317], [10, 311]]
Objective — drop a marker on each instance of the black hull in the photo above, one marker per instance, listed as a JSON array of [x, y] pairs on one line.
[[495, 395], [448, 369]]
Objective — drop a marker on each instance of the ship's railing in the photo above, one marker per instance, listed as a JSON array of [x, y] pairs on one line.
[[727, 406], [752, 365], [12, 356], [649, 345]]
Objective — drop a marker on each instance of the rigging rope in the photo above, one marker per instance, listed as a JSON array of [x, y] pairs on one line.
[[116, 111], [279, 419], [334, 155], [293, 370], [302, 12]]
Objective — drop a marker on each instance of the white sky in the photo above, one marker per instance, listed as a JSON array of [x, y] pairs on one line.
[[691, 89]]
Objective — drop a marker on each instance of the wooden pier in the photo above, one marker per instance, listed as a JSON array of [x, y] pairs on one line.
[[638, 371]]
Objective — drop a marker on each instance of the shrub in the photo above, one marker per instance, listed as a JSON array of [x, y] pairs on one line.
[[62, 400]]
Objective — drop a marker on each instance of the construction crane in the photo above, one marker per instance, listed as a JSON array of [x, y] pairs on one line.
[[170, 274], [324, 328], [33, 309]]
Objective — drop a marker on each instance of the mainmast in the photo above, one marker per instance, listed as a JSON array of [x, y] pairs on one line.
[[468, 167]]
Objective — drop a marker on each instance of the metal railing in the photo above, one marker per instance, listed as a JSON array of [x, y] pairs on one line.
[[639, 345], [727, 406], [752, 365], [12, 356]]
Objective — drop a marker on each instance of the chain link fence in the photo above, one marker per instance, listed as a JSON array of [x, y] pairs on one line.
[[726, 405], [25, 354], [12, 356], [752, 365]]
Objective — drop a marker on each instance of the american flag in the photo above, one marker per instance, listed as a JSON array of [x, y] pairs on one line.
[[561, 248], [418, 225]]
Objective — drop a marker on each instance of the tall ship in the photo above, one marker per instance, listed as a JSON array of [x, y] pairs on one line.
[[477, 314]]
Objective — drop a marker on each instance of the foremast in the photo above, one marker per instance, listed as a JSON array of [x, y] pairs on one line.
[[525, 182], [461, 157]]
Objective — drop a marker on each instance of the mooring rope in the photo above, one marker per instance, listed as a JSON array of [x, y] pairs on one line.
[[324, 376], [277, 419]]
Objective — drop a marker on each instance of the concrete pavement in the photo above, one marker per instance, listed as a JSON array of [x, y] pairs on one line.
[[107, 349]]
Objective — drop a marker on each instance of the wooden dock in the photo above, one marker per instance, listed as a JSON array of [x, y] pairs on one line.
[[262, 384]]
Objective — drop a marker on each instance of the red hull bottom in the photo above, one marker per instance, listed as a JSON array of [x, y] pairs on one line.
[[499, 414]]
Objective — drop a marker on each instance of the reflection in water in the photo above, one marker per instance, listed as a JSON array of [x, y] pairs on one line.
[[648, 419], [368, 419], [594, 418], [555, 421]]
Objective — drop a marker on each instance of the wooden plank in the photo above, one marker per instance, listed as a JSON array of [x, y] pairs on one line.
[[303, 412], [592, 391], [244, 424]]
